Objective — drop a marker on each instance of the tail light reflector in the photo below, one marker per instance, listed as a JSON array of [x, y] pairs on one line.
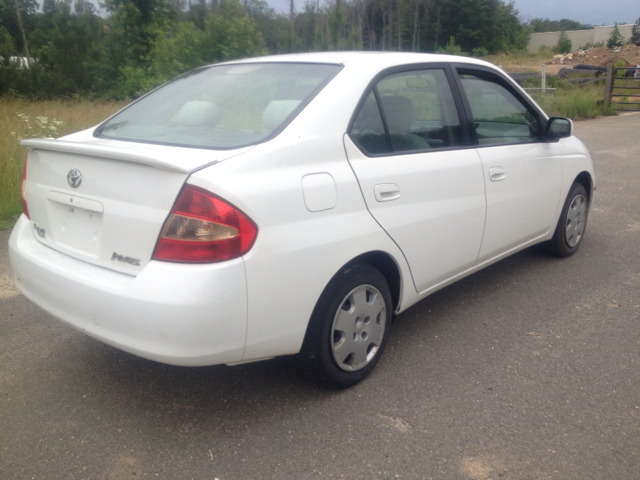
[[23, 192], [203, 228]]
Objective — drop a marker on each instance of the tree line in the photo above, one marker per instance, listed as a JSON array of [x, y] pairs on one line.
[[68, 48]]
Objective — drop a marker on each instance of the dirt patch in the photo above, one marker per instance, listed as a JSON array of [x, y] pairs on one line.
[[601, 56], [480, 468], [126, 467]]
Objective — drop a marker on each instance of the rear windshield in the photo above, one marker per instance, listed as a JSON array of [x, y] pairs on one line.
[[225, 106]]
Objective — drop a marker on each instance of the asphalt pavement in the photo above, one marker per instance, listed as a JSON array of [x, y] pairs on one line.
[[525, 370]]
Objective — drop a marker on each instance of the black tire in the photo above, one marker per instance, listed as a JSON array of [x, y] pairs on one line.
[[349, 327], [572, 223]]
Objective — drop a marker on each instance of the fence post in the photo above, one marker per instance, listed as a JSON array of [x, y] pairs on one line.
[[543, 82], [608, 86]]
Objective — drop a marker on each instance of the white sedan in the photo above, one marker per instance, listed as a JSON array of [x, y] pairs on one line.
[[293, 204]]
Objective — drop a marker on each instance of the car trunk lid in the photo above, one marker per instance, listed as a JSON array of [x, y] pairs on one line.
[[105, 202]]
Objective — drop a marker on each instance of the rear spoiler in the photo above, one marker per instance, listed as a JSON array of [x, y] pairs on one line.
[[163, 160]]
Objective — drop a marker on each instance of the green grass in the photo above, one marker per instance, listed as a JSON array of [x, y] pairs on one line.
[[576, 103], [571, 101], [74, 114]]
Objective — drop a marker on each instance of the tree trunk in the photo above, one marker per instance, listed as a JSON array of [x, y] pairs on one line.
[[24, 37], [292, 19], [390, 15], [416, 40]]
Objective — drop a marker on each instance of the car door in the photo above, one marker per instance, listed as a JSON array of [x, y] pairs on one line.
[[420, 178], [522, 172]]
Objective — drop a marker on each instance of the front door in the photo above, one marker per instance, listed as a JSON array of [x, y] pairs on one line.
[[522, 173]]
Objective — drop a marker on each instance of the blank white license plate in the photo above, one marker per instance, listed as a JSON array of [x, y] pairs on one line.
[[76, 227]]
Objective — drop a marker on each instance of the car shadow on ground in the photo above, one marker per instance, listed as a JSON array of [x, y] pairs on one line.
[[117, 380]]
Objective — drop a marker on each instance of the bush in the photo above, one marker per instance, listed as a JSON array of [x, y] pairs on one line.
[[452, 48], [480, 52]]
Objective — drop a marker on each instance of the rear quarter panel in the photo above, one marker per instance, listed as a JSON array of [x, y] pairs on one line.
[[297, 251]]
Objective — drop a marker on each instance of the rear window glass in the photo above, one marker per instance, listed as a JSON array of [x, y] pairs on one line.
[[224, 106]]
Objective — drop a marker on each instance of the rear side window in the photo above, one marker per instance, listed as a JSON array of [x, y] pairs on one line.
[[224, 106], [408, 112], [499, 117]]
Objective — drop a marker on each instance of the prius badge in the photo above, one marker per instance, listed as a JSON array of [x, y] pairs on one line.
[[74, 178]]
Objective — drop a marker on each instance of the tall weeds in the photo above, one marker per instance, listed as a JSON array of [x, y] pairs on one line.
[[576, 103]]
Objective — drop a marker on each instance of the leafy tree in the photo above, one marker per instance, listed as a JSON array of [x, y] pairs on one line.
[[49, 7], [135, 25], [73, 55], [142, 43], [491, 24], [563, 45], [615, 39], [11, 21], [227, 34], [635, 32], [546, 25]]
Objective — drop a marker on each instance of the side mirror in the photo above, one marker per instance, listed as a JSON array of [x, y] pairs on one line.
[[558, 127]]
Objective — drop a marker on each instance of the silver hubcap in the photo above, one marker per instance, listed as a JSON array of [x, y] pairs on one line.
[[358, 328], [576, 217]]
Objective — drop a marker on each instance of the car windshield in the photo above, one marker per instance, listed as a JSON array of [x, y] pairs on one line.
[[223, 107]]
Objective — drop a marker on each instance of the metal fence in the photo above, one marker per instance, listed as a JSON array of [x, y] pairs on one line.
[[624, 87]]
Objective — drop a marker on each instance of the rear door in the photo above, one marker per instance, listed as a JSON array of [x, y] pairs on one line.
[[421, 180]]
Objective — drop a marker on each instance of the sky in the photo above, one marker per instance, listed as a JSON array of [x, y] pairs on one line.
[[594, 12]]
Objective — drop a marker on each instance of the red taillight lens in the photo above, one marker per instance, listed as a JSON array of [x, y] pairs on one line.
[[23, 192], [202, 228]]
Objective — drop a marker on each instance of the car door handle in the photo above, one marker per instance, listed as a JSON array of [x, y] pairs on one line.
[[386, 192], [496, 174]]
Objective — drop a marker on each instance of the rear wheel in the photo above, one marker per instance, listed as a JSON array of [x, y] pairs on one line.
[[572, 223], [349, 326]]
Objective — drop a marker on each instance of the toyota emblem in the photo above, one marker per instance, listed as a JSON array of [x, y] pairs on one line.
[[74, 177]]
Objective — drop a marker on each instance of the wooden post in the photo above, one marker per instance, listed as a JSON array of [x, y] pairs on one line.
[[608, 86]]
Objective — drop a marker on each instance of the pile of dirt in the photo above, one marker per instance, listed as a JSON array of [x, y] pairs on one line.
[[602, 56]]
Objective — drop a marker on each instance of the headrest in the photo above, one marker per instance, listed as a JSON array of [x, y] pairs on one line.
[[276, 112], [199, 114], [399, 113]]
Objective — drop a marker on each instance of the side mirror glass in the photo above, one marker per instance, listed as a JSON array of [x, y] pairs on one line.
[[558, 127]]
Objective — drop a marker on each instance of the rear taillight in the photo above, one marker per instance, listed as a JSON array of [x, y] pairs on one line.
[[202, 228], [23, 192]]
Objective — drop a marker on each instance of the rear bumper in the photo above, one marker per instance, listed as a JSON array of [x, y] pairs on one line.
[[172, 313]]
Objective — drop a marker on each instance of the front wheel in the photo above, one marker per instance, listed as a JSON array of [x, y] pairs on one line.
[[572, 223], [349, 326]]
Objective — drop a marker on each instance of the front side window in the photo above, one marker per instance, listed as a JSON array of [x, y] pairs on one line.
[[224, 106], [499, 117], [412, 111]]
